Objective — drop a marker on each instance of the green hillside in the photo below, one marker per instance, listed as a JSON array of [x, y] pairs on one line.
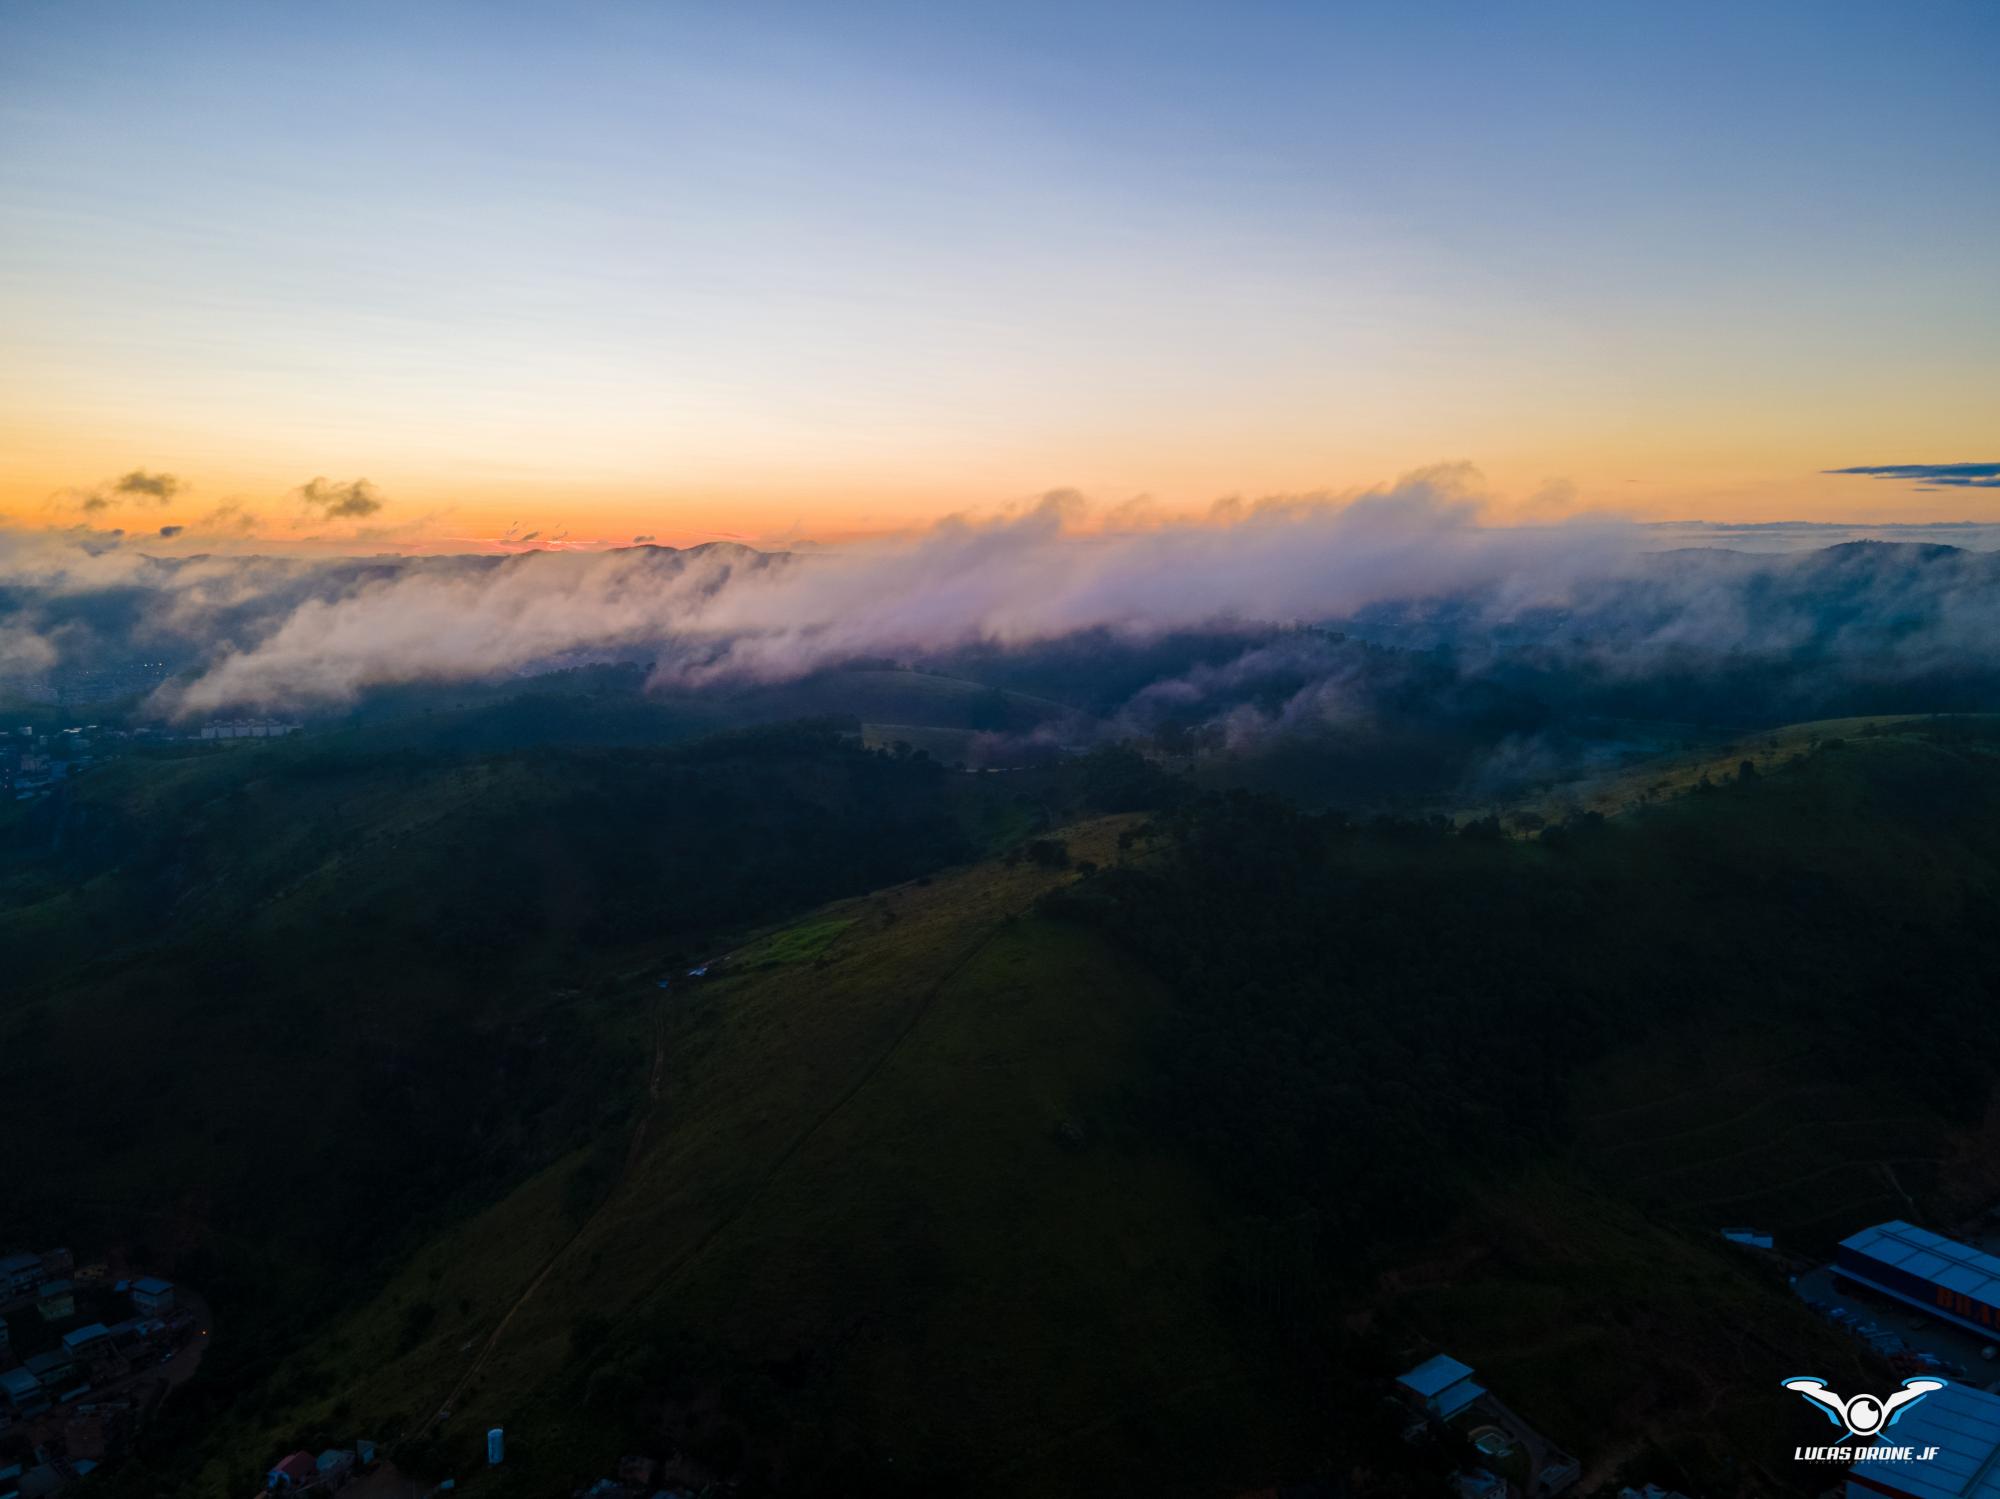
[[1663, 777], [1108, 1155], [895, 1166], [294, 1010]]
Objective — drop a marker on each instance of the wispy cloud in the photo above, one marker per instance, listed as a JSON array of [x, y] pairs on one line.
[[1931, 475]]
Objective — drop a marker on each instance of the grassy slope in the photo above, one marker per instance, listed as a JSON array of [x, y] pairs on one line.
[[1651, 1353], [1772, 1124], [1754, 1128], [1597, 1295], [871, 1127], [271, 992], [1664, 777]]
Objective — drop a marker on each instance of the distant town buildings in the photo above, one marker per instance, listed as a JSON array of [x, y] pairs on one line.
[[19, 1272], [247, 728], [35, 762], [81, 1361]]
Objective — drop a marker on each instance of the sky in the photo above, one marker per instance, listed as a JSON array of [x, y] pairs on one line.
[[450, 277]]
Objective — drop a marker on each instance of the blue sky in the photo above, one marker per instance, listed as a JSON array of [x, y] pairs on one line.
[[858, 264]]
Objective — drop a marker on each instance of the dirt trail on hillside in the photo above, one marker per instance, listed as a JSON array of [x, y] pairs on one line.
[[654, 1087], [805, 1136]]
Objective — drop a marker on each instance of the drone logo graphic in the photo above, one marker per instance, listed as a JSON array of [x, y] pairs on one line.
[[1863, 1415]]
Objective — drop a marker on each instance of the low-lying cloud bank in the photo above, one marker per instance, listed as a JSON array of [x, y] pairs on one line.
[[723, 613], [1410, 563]]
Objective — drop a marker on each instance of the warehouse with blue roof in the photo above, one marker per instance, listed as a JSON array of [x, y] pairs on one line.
[[1925, 1270]]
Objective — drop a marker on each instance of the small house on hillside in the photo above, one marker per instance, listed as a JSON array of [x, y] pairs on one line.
[[335, 1466], [19, 1272], [87, 1339], [1442, 1386], [295, 1472], [152, 1295], [1750, 1238], [56, 1300], [50, 1367]]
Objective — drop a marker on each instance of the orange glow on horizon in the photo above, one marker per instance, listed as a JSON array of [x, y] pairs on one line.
[[416, 517]]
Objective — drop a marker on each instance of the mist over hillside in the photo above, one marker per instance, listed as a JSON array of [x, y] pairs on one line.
[[1391, 644], [1019, 597]]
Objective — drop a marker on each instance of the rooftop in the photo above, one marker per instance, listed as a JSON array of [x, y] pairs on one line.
[[1435, 1374], [152, 1285], [299, 1467], [1918, 1251]]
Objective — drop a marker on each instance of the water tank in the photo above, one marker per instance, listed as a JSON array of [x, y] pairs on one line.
[[496, 1446]]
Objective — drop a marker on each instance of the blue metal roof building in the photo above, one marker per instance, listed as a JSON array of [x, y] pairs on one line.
[[1922, 1269], [1963, 1424], [1443, 1384]]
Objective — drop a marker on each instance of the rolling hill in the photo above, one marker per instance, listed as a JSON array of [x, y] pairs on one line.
[[1712, 757], [1079, 1153]]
